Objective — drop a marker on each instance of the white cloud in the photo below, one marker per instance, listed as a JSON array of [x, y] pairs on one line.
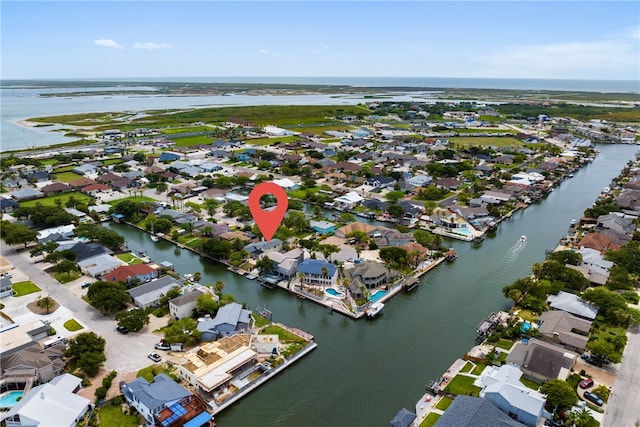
[[611, 58], [151, 46], [263, 51], [107, 43]]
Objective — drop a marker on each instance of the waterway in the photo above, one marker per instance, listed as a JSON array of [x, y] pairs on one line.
[[364, 371]]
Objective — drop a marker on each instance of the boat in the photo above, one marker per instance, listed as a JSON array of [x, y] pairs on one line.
[[523, 238], [374, 309], [154, 237], [573, 222]]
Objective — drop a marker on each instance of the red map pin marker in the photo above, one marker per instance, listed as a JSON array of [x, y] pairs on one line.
[[268, 221]]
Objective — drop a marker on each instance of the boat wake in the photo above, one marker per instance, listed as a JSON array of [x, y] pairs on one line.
[[514, 251]]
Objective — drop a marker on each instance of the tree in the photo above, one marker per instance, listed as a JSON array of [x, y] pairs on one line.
[[17, 233], [218, 287], [108, 297], [566, 257], [395, 211], [394, 255], [206, 304], [297, 221], [197, 276], [217, 248], [394, 196], [327, 250], [264, 264], [66, 266], [560, 395], [46, 303], [612, 306], [182, 331], [581, 418], [171, 294], [133, 320], [87, 349]]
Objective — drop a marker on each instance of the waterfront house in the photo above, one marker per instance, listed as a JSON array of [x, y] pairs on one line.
[[149, 294], [149, 399], [287, 184], [474, 411], [130, 274], [229, 320], [391, 237], [53, 404], [502, 387], [616, 222], [348, 201], [285, 264], [381, 181], [403, 418], [370, 274], [256, 249], [183, 306], [541, 361], [565, 329], [345, 230], [87, 250], [312, 269], [593, 259], [573, 304], [211, 367], [598, 241]]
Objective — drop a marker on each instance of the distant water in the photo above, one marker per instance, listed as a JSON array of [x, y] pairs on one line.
[[19, 101], [619, 86]]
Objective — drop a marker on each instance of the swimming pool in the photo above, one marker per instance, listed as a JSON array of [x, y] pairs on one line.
[[526, 326], [8, 399], [375, 297], [333, 292]]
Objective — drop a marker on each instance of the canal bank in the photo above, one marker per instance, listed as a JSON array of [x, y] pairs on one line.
[[362, 372]]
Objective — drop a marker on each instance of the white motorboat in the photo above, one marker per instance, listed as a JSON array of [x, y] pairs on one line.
[[374, 310], [523, 238]]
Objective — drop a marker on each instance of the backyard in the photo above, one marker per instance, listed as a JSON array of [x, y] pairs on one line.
[[24, 288], [81, 198]]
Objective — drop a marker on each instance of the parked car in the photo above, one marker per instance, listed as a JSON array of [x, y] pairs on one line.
[[593, 398], [162, 346], [122, 330], [586, 383], [154, 356], [85, 285]]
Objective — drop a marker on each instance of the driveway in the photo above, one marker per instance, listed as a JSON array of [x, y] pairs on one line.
[[124, 353]]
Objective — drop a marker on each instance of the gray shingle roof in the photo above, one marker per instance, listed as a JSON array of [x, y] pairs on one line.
[[467, 411], [156, 394]]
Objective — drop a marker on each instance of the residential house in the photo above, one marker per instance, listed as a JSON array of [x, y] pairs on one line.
[[344, 231], [87, 250], [348, 201], [99, 265], [108, 178], [598, 241], [213, 366], [417, 181], [616, 223], [26, 194], [412, 211], [6, 287], [471, 411], [502, 387], [131, 274], [183, 306], [55, 188], [52, 404], [495, 197], [149, 399], [450, 184], [285, 264], [404, 418], [322, 227], [8, 205], [287, 184], [370, 275], [541, 361], [168, 157], [149, 294], [230, 319], [81, 182], [95, 189], [593, 259], [375, 204], [64, 231], [32, 365], [86, 169], [11, 183], [391, 237], [565, 329], [256, 249], [16, 337], [381, 181], [573, 304], [312, 269], [38, 176]]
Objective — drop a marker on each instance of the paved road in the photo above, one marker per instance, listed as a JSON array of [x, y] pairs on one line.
[[623, 408], [125, 353]]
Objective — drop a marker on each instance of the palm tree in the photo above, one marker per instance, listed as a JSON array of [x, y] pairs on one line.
[[301, 278], [197, 276], [580, 418], [325, 274], [46, 303], [218, 287]]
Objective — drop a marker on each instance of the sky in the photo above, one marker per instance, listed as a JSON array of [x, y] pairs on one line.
[[501, 39]]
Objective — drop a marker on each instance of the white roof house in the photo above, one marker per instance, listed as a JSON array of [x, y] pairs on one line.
[[572, 304], [502, 387], [276, 131], [48, 405], [349, 200], [63, 230], [100, 264], [286, 183]]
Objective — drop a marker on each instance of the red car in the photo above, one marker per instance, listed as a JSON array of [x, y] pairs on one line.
[[586, 383]]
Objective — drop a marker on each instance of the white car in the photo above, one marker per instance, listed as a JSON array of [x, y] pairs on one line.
[[154, 356]]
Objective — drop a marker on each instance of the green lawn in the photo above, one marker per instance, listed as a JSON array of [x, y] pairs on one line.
[[467, 367], [531, 384], [129, 258], [111, 415], [462, 384], [132, 199], [504, 343], [151, 371], [444, 403], [430, 420], [67, 277], [496, 141], [25, 288], [189, 141], [49, 162], [112, 162], [72, 325], [64, 198], [67, 176], [283, 334], [260, 321]]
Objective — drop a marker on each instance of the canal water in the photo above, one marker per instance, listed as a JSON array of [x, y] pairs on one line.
[[364, 371]]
